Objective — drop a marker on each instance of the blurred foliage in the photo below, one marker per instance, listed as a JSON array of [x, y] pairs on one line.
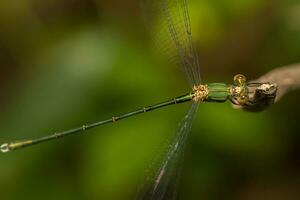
[[66, 63]]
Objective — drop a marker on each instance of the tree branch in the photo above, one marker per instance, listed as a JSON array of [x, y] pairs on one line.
[[271, 87]]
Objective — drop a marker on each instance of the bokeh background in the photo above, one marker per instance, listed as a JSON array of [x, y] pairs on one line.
[[68, 62]]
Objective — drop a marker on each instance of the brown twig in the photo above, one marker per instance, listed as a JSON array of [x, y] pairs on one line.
[[271, 87]]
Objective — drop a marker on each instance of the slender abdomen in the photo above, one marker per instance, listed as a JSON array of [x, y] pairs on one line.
[[217, 92]]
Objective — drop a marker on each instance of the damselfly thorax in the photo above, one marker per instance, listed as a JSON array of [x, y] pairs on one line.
[[220, 92]]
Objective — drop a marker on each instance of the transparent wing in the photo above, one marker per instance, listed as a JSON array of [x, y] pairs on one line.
[[164, 183], [169, 25]]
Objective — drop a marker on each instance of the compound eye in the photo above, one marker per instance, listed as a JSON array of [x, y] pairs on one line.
[[243, 99], [239, 79]]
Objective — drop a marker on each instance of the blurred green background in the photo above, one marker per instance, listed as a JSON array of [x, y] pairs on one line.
[[68, 62]]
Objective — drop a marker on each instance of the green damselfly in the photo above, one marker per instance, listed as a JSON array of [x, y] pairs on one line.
[[212, 92], [175, 36]]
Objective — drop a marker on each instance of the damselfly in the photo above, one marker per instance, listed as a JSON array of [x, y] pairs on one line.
[[175, 37], [212, 92]]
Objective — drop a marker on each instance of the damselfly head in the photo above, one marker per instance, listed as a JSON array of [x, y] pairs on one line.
[[238, 91], [239, 80], [242, 99]]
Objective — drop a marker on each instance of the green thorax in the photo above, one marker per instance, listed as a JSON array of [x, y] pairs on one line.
[[217, 92], [237, 93]]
